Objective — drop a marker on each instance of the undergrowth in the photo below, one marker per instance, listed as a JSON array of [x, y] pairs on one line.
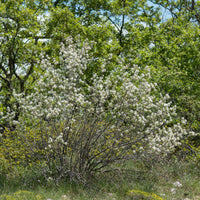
[[134, 181]]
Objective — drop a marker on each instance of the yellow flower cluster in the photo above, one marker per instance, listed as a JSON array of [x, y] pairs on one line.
[[143, 195], [21, 195]]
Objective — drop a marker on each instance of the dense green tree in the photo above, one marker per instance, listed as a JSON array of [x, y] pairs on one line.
[[176, 54], [172, 50], [176, 8], [21, 28], [119, 14]]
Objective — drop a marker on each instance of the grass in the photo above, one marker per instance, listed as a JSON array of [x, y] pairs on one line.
[[157, 180]]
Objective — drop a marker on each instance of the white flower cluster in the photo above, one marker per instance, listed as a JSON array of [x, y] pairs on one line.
[[124, 98], [176, 185]]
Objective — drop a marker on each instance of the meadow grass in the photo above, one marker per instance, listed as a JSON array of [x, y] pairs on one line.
[[167, 180]]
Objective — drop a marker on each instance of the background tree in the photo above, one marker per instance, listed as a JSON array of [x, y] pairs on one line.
[[188, 9], [118, 14], [21, 28]]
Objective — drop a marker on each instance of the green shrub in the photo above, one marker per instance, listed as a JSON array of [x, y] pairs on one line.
[[189, 150], [18, 148]]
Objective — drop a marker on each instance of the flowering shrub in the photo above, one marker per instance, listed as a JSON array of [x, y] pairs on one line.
[[85, 124]]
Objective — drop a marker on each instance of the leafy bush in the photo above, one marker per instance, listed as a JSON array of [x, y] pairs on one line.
[[190, 150]]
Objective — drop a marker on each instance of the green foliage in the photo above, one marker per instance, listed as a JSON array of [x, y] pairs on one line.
[[20, 30], [189, 150], [187, 9], [172, 51], [63, 23], [178, 53], [196, 154], [16, 147], [118, 14]]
